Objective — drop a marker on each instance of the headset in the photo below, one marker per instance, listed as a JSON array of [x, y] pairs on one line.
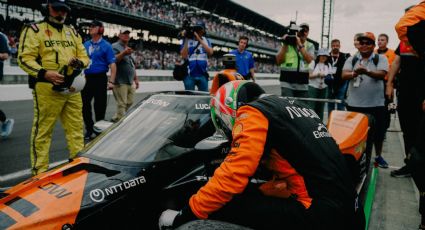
[[101, 30], [244, 38]]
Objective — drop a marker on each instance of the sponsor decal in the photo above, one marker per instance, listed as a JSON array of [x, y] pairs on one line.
[[68, 34], [294, 112], [236, 144], [321, 132], [55, 189], [98, 195], [237, 129], [156, 102], [48, 32], [242, 116], [202, 106], [64, 44]]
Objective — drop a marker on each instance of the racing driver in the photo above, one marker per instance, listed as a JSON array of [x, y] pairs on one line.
[[279, 141], [46, 48]]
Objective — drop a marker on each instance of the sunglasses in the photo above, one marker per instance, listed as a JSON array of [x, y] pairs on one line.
[[368, 43]]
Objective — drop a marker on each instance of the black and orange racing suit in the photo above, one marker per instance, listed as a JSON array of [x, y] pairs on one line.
[[288, 140], [411, 31]]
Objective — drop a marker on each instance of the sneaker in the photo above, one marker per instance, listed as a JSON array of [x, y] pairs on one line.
[[401, 172], [381, 162], [7, 127]]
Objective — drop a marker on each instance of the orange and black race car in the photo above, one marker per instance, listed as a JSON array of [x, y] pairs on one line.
[[154, 158]]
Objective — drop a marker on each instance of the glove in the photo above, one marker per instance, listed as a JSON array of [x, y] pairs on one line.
[[75, 63], [167, 218]]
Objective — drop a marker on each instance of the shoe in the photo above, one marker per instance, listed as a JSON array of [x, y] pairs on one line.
[[401, 172], [379, 160], [7, 127], [89, 136]]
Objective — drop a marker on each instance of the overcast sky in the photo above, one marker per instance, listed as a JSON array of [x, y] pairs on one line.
[[350, 17]]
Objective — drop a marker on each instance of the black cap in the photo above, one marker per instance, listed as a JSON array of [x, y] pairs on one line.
[[96, 23], [305, 25], [59, 5], [200, 24]]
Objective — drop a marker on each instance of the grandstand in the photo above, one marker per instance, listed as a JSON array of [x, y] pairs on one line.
[[155, 25]]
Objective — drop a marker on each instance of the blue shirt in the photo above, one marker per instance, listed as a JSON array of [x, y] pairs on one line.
[[244, 61], [198, 59], [101, 56]]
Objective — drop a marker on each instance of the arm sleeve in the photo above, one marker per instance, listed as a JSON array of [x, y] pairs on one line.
[[3, 44], [231, 178], [81, 52], [110, 55], [251, 63], [410, 18], [347, 64], [28, 52]]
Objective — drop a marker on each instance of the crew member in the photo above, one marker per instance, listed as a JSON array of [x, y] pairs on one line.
[[45, 49], [228, 74], [308, 184], [244, 59]]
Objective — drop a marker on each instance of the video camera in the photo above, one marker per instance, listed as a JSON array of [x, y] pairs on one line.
[[291, 31], [188, 29]]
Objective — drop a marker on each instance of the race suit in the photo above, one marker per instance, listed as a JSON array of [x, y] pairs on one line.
[[47, 46], [289, 141]]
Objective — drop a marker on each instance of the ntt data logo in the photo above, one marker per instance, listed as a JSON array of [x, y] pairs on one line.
[[98, 195]]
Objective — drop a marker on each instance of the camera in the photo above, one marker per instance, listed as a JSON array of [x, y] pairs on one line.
[[188, 29], [291, 31]]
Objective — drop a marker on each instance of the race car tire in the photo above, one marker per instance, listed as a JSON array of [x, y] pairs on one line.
[[210, 225]]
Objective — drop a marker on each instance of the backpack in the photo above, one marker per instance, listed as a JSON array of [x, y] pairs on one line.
[[375, 60]]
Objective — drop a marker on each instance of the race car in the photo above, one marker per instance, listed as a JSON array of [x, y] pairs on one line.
[[154, 158]]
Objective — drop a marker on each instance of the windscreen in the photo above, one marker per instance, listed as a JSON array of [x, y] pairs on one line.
[[163, 126]]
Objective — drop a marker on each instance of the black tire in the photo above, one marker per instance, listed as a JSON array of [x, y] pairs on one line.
[[210, 225]]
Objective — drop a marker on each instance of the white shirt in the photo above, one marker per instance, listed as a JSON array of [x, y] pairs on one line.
[[318, 74]]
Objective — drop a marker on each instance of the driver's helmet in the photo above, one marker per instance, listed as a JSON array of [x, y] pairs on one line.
[[227, 101], [74, 81]]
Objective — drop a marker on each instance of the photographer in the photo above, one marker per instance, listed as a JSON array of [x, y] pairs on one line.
[[294, 57], [196, 49]]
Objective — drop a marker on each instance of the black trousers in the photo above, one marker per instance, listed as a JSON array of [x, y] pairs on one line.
[[95, 88], [2, 116], [416, 164], [253, 209]]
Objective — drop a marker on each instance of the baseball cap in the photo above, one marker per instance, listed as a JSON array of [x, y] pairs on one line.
[[305, 25], [59, 5], [96, 23], [367, 35], [125, 31], [200, 24], [323, 52]]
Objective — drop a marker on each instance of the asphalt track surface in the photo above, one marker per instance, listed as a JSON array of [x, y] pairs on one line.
[[394, 202]]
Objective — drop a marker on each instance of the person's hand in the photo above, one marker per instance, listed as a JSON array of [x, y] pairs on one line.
[[75, 63], [54, 77], [197, 37], [361, 70], [136, 84], [167, 218], [110, 85], [389, 91], [127, 50]]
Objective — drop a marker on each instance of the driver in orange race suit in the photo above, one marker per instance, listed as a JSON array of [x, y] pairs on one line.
[[307, 186]]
